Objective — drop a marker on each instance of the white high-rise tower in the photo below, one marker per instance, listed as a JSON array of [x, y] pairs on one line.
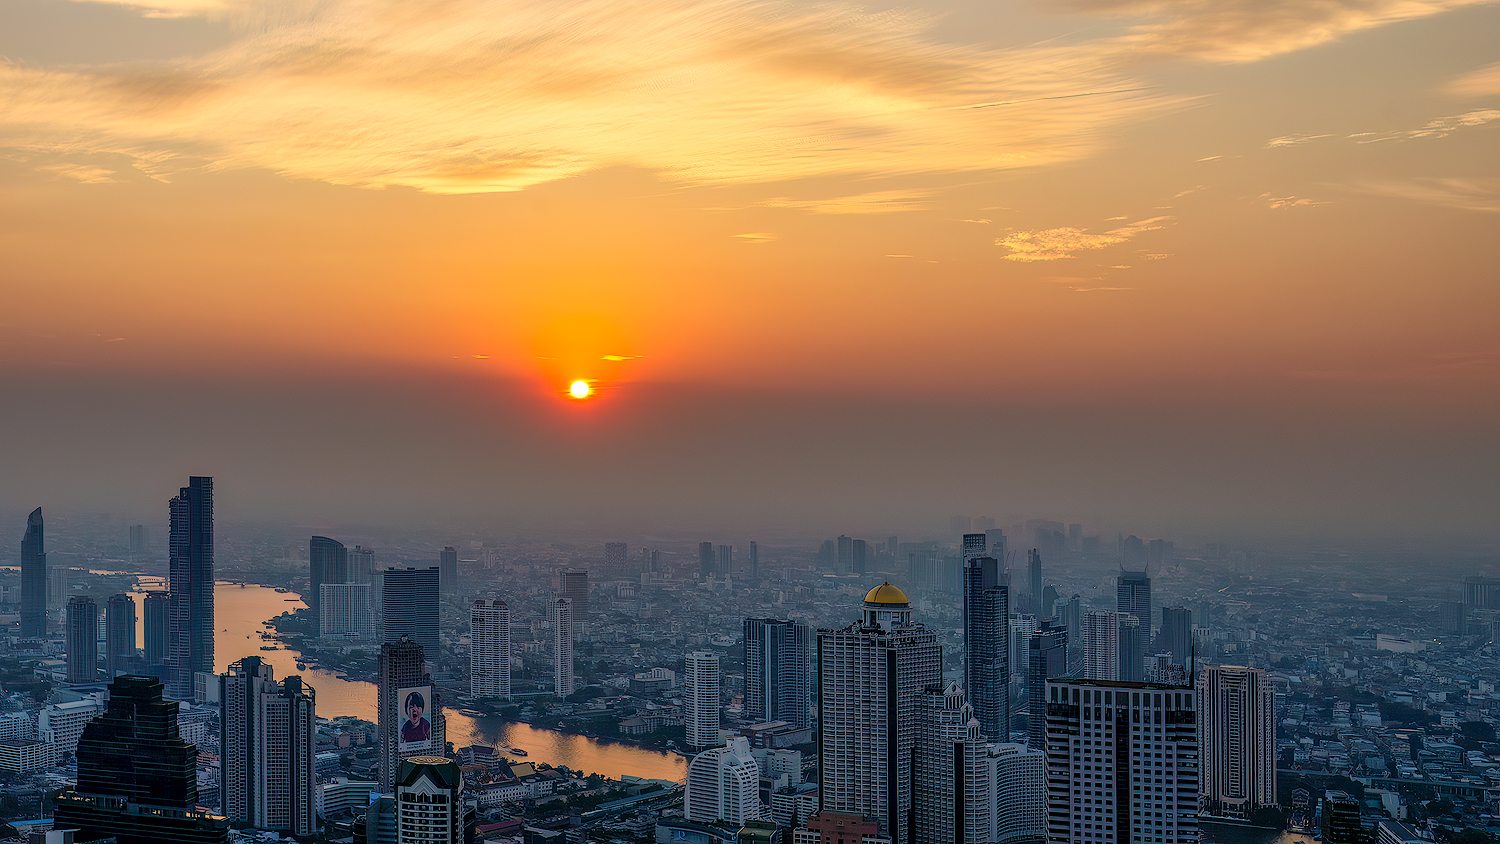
[[701, 701], [1238, 737], [562, 647], [723, 785], [489, 649]]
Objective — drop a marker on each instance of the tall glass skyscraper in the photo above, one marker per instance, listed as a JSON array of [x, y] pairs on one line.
[[83, 639], [268, 734], [33, 579], [987, 643], [327, 562], [190, 579], [119, 635], [158, 628], [489, 649], [409, 607], [1133, 597], [778, 678]]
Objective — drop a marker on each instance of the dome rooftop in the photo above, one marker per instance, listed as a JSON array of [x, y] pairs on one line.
[[885, 594]]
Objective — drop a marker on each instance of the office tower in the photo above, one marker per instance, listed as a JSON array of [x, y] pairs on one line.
[[708, 561], [753, 567], [190, 579], [1176, 634], [448, 570], [1022, 627], [1133, 596], [723, 785], [701, 698], [327, 562], [1340, 824], [974, 545], [614, 556], [1132, 650], [1049, 602], [1020, 805], [1122, 763], [140, 539], [859, 556], [137, 778], [83, 639], [871, 676], [157, 632], [409, 607], [1238, 739], [725, 561], [489, 649], [344, 612], [429, 801], [573, 584], [1452, 618], [1480, 593], [987, 642], [34, 578], [778, 676], [1047, 659], [1101, 645], [1034, 582], [119, 635], [361, 566], [562, 647], [267, 739], [412, 722], [953, 798], [845, 545]]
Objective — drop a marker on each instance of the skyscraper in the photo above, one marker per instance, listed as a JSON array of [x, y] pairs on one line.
[[412, 722], [1132, 650], [871, 676], [83, 639], [701, 698], [708, 561], [1176, 634], [778, 676], [429, 801], [157, 632], [489, 649], [409, 607], [137, 778], [344, 612], [953, 800], [1133, 597], [327, 562], [1048, 659], [1122, 763], [448, 570], [190, 579], [562, 648], [267, 738], [1034, 582], [573, 584], [1101, 645], [987, 642], [119, 635], [1238, 739], [33, 578], [723, 786]]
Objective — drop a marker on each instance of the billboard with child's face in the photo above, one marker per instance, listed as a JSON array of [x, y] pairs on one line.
[[416, 719]]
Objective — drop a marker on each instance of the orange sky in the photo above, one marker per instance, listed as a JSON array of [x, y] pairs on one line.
[[1199, 267]]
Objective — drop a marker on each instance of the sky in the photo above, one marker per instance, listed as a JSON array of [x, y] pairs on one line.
[[1170, 267]]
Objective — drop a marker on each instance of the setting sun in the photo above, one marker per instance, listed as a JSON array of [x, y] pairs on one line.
[[580, 389]]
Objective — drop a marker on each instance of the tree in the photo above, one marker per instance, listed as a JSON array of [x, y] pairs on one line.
[[1477, 731]]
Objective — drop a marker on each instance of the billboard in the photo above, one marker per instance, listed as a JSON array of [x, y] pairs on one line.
[[415, 732]]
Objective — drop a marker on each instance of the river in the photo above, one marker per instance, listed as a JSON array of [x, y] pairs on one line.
[[242, 612]]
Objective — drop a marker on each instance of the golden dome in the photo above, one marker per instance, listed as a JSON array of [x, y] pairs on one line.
[[885, 594]]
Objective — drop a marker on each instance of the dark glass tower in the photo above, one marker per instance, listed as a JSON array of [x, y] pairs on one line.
[[1176, 634], [1133, 597], [1048, 660], [410, 607], [83, 639], [987, 644], [158, 628], [327, 562], [778, 678], [137, 778], [33, 579], [119, 635], [402, 667], [448, 569], [190, 578]]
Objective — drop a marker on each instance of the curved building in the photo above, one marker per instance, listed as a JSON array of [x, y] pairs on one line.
[[723, 786], [327, 562]]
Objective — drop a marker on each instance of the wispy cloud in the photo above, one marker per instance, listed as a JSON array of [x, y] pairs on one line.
[[755, 237], [1482, 194], [875, 202], [1059, 243], [618, 358], [1282, 202], [1482, 82], [1292, 140], [1248, 30], [485, 95]]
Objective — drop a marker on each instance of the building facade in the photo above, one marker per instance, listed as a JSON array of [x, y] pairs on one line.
[[409, 607], [119, 636], [34, 578], [83, 640], [563, 678], [700, 695], [723, 786], [1238, 739], [327, 562], [412, 722], [778, 675], [190, 580], [268, 733], [987, 641], [489, 649]]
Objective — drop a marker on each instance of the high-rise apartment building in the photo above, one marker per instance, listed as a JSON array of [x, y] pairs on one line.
[[190, 580], [344, 612], [701, 698], [409, 607], [412, 722], [1237, 727], [119, 636], [1122, 763], [1101, 644], [1176, 634], [871, 677], [708, 561], [268, 733], [137, 778], [1020, 805], [725, 563], [953, 797], [723, 786], [778, 671], [1480, 592], [1133, 597], [327, 562], [489, 649], [429, 801], [563, 678], [448, 570], [1047, 659], [140, 539], [83, 639], [573, 584], [34, 578], [1133, 640], [156, 633], [987, 642]]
